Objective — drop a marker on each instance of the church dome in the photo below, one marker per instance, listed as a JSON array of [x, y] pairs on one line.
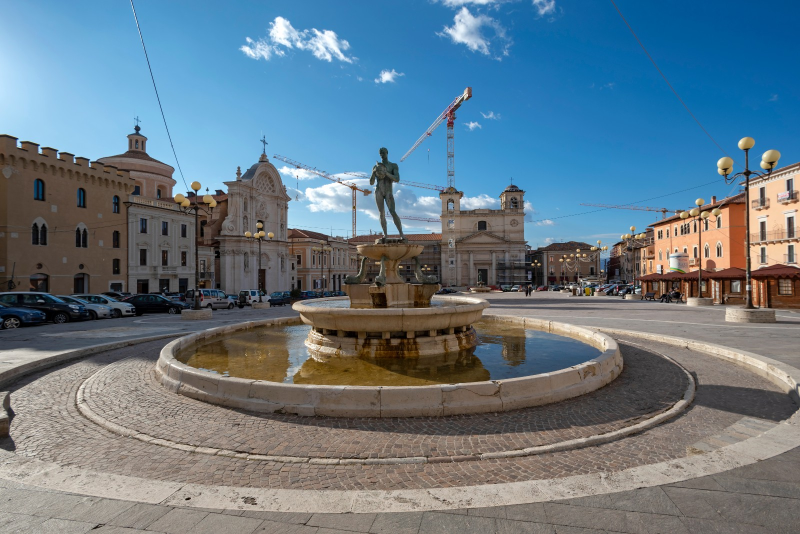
[[512, 188]]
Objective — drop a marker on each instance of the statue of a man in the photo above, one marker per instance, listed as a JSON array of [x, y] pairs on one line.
[[385, 173]]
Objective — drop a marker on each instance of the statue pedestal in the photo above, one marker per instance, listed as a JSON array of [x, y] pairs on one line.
[[391, 295], [392, 253]]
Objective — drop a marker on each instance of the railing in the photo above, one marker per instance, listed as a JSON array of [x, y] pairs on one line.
[[786, 197], [774, 235], [790, 258], [760, 203], [135, 199]]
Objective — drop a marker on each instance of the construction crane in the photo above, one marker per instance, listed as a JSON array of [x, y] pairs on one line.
[[404, 182], [663, 211], [423, 219], [450, 114], [353, 187]]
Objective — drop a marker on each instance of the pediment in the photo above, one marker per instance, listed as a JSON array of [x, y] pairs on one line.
[[483, 237]]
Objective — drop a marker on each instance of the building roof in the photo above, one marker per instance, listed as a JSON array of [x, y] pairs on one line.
[[137, 154], [566, 247], [512, 188], [776, 271], [370, 238], [735, 199], [295, 233]]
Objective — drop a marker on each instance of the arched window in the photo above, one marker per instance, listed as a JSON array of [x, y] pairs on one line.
[[686, 249], [694, 229], [719, 221], [244, 202], [481, 226], [85, 239], [660, 257], [35, 234], [705, 225], [38, 189], [719, 250], [115, 204], [81, 197], [706, 251], [694, 251], [77, 238], [115, 239], [450, 204], [158, 192], [514, 203], [137, 143], [203, 228], [43, 235]]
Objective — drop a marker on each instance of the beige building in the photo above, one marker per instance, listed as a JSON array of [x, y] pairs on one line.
[[160, 256], [321, 262], [574, 268], [430, 260], [773, 218], [485, 243], [62, 221]]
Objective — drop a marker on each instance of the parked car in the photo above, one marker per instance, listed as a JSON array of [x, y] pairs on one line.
[[278, 299], [308, 294], [210, 298], [119, 295], [249, 296], [13, 317], [515, 288], [446, 291], [505, 288], [54, 308], [339, 294], [118, 309], [156, 304], [179, 297], [96, 311]]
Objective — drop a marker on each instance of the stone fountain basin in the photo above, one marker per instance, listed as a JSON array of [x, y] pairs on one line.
[[392, 251], [456, 312]]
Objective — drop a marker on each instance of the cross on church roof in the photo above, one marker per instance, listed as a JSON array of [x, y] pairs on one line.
[[136, 120], [264, 142]]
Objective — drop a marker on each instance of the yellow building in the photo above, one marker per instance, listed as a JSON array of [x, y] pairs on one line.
[[321, 261], [62, 221]]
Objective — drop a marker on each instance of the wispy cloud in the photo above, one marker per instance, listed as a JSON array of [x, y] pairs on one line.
[[472, 125], [773, 98], [545, 7], [324, 45], [388, 76], [549, 240], [468, 29], [545, 222], [491, 116], [482, 201], [459, 3], [528, 210]]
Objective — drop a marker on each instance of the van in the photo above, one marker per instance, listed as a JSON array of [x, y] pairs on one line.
[[249, 296], [210, 298]]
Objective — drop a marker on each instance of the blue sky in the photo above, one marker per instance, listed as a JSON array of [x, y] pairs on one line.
[[564, 99]]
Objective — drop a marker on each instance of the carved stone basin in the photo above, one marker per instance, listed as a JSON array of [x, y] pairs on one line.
[[392, 251]]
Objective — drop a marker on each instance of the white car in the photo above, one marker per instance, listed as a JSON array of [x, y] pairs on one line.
[[118, 309], [96, 311], [210, 298], [249, 296]]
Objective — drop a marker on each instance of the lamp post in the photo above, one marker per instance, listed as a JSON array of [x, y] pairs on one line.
[[535, 265], [725, 167], [699, 218], [187, 206], [259, 236]]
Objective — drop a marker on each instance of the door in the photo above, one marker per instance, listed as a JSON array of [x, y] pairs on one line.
[[483, 276], [143, 286], [80, 283]]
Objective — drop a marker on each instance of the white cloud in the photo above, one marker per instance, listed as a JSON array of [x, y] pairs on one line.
[[482, 201], [491, 116], [468, 30], [388, 76], [549, 240], [472, 125], [359, 78], [545, 222], [529, 211], [545, 7], [459, 3], [297, 174], [324, 45], [773, 98]]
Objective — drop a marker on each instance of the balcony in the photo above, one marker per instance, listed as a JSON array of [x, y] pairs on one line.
[[774, 235], [760, 204], [787, 197]]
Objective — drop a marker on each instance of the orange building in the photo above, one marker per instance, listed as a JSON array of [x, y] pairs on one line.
[[720, 246], [773, 218]]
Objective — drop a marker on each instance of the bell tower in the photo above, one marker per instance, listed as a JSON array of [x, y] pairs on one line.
[[136, 141], [512, 198]]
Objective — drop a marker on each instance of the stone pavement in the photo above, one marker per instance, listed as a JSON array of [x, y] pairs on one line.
[[761, 497]]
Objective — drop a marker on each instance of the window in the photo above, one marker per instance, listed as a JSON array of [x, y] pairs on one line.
[[790, 257], [299, 260], [707, 251], [785, 286], [35, 234], [514, 203], [164, 228], [450, 204], [137, 190], [81, 197], [762, 230], [660, 258], [84, 239], [736, 286], [115, 204], [115, 239], [115, 266], [694, 227], [77, 238], [719, 250], [158, 192], [142, 226], [481, 226], [763, 255], [142, 256], [202, 228], [705, 225], [38, 189], [790, 185], [164, 258], [686, 249], [183, 258], [183, 230], [790, 227], [43, 235], [719, 221], [694, 252]]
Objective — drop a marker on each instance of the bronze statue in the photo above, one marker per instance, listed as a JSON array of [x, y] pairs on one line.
[[384, 173]]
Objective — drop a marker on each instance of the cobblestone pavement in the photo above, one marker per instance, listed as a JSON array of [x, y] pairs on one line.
[[48, 426]]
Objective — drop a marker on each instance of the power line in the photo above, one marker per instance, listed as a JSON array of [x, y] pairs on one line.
[[158, 97]]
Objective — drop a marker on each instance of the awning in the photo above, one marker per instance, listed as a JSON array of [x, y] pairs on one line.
[[732, 273], [776, 271]]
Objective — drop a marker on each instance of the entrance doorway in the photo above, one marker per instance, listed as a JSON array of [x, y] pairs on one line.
[[81, 283], [483, 276], [163, 285]]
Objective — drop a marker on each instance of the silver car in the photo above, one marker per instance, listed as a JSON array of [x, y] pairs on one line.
[[96, 311], [118, 309]]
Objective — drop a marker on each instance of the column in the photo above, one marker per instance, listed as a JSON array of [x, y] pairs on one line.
[[470, 278], [458, 269], [493, 270]]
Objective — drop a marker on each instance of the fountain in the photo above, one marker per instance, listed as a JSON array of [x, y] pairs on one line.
[[392, 353]]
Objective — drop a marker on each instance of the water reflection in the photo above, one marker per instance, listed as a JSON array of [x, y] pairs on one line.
[[278, 354]]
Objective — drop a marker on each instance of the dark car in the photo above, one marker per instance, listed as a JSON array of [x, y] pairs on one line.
[[54, 308], [278, 299], [11, 317], [118, 295], [308, 294], [446, 291], [156, 304]]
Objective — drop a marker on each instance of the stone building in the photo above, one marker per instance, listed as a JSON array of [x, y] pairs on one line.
[[160, 255], [430, 259], [321, 261], [485, 243], [573, 268], [62, 221]]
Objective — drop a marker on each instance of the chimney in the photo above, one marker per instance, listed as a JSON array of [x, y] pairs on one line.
[[713, 199]]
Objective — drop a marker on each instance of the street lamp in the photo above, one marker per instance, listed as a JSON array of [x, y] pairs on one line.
[[535, 265], [187, 206], [699, 217], [725, 167], [259, 236]]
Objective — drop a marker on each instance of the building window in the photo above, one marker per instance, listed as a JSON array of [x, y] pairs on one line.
[[35, 234], [84, 239], [785, 286], [81, 197], [202, 228], [705, 225], [694, 252], [115, 239], [115, 266], [40, 282], [736, 286], [77, 238], [707, 251], [43, 235], [158, 192], [763, 255], [719, 250], [164, 228], [790, 227], [137, 190], [183, 258], [164, 258], [660, 257], [299, 260], [142, 226], [115, 204], [183, 230], [142, 256], [481, 226], [667, 232], [790, 257], [38, 189], [514, 203], [719, 221]]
